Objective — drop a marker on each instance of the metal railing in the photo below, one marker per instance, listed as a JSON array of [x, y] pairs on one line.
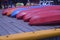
[[46, 2]]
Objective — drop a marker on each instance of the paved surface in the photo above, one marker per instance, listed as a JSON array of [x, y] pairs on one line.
[[10, 25]]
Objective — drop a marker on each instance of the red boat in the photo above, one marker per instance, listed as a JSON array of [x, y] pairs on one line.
[[47, 17], [5, 11]]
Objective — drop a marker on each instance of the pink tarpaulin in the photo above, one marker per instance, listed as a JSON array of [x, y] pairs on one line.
[[45, 17]]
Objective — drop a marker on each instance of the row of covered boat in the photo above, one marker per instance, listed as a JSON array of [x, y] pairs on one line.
[[35, 14]]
